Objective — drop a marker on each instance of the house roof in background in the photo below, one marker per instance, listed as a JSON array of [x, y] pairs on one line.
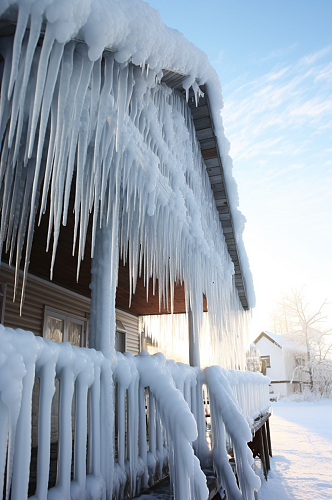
[[281, 341]]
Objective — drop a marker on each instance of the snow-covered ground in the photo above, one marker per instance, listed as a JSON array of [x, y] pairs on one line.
[[301, 467]]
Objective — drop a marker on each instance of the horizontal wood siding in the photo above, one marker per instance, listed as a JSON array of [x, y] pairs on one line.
[[40, 294], [130, 322], [37, 295]]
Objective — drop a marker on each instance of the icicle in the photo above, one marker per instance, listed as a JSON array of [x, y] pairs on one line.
[[79, 101], [41, 76], [22, 21], [134, 149], [34, 34], [7, 51], [16, 95]]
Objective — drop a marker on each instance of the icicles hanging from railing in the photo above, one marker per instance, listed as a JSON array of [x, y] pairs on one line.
[[24, 357], [226, 416], [186, 475]]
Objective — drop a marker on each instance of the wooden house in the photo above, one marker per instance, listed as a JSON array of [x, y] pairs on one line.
[[280, 357], [118, 202]]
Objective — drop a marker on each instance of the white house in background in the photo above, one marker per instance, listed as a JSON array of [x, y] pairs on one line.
[[280, 357]]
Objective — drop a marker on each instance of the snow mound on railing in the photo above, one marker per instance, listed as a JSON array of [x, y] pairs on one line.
[[226, 415], [186, 475]]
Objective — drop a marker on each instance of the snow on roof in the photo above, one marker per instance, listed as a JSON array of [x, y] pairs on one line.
[[134, 31], [282, 341]]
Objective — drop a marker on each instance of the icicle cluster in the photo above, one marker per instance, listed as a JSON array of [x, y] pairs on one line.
[[171, 423], [24, 356], [251, 391], [176, 419], [126, 146], [226, 416], [220, 343]]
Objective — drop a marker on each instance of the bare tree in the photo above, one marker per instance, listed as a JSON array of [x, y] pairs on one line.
[[294, 318]]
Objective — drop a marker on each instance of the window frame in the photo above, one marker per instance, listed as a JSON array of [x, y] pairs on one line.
[[266, 358], [67, 318], [120, 328]]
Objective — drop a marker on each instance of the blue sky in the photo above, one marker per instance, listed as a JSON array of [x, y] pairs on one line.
[[274, 60]]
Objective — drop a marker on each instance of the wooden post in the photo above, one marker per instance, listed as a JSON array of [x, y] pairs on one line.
[[268, 437], [194, 357], [104, 279], [262, 452], [266, 451]]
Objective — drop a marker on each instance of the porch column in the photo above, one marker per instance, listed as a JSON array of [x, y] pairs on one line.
[[194, 356], [104, 279]]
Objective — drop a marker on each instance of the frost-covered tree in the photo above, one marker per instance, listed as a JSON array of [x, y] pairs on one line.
[[295, 318]]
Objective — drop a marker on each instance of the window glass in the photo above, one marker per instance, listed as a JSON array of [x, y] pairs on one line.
[[55, 329], [120, 341], [61, 326], [75, 334], [266, 361]]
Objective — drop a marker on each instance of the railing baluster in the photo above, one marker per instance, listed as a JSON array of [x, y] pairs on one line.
[[94, 435], [22, 451], [46, 393], [121, 426], [152, 424], [65, 431], [159, 442], [81, 421], [3, 440], [142, 429]]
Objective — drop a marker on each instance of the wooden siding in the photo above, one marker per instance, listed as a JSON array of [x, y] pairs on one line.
[[37, 295], [130, 322], [40, 293]]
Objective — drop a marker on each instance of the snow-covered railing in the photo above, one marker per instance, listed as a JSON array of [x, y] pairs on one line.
[[24, 357], [229, 424], [159, 421], [90, 375], [251, 391]]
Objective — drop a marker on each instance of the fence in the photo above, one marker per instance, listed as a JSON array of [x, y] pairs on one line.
[[160, 422]]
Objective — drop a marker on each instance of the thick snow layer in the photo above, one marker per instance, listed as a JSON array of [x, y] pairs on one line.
[[67, 90], [301, 467]]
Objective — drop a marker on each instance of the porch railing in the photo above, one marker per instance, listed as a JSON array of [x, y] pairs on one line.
[[160, 422]]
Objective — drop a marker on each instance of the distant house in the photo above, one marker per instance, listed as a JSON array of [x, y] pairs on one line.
[[280, 357]]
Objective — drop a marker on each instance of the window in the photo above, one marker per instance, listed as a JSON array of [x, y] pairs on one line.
[[300, 361], [64, 327], [266, 361], [120, 337]]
